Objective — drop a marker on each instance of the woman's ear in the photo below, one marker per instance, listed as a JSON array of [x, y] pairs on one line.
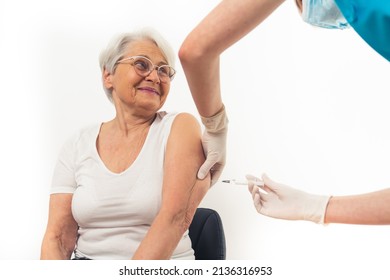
[[107, 79]]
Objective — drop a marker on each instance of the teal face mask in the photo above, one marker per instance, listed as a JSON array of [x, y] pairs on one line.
[[323, 13]]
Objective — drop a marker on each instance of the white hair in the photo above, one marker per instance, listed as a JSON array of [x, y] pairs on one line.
[[118, 47]]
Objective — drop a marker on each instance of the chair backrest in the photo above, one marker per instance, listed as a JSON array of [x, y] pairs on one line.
[[207, 235]]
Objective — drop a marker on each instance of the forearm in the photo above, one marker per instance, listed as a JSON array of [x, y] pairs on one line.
[[227, 23], [170, 224], [368, 209], [162, 238], [204, 82], [222, 27], [61, 232], [52, 249]]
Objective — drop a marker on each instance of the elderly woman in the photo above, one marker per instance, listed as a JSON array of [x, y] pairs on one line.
[[127, 188]]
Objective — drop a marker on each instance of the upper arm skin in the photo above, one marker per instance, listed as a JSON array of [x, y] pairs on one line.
[[61, 232], [182, 191]]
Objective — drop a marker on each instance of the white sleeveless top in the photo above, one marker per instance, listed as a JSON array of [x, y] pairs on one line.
[[115, 211]]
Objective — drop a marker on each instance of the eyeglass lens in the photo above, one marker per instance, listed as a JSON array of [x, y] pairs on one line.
[[143, 66]]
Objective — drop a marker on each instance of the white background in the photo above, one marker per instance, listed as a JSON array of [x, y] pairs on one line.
[[307, 106]]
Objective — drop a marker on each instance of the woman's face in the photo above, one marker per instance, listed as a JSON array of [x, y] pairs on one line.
[[148, 93]]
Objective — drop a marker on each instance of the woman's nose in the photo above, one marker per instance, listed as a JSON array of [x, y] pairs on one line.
[[153, 76]]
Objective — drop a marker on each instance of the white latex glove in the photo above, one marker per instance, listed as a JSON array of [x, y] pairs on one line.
[[214, 145], [283, 202]]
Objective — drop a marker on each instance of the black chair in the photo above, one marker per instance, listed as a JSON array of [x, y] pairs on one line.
[[207, 235]]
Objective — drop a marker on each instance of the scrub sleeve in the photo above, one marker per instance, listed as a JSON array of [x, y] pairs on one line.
[[371, 20]]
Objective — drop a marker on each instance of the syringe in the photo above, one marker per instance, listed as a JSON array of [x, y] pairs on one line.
[[257, 182]]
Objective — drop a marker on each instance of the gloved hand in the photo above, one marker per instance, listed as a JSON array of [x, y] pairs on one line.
[[283, 202], [214, 145]]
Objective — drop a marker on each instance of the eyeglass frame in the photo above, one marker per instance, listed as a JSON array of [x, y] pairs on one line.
[[154, 67]]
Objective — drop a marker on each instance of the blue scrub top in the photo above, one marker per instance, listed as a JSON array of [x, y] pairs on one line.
[[371, 20]]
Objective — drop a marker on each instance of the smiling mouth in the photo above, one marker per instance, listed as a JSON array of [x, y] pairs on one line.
[[149, 90]]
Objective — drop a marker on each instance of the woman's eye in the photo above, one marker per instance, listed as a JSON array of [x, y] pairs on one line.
[[141, 65], [164, 70]]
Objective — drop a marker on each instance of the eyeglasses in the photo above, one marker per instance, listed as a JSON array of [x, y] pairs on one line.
[[143, 67]]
